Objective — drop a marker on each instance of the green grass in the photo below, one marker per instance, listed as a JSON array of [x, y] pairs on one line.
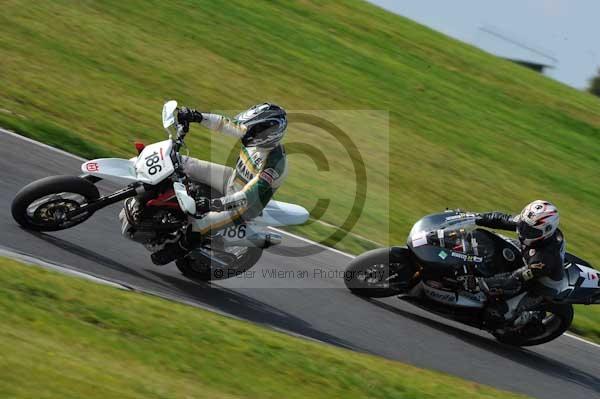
[[62, 337], [587, 322], [465, 129]]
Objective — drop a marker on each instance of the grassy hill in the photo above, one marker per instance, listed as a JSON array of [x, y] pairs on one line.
[[152, 348], [446, 125]]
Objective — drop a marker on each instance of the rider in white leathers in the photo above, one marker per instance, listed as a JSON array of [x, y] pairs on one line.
[[260, 170]]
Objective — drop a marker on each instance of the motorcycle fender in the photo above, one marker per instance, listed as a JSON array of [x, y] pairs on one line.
[[112, 169]]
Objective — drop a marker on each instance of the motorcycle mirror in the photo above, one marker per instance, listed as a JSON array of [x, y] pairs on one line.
[[168, 113]]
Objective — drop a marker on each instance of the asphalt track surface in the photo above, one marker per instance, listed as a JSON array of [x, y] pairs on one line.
[[315, 305]]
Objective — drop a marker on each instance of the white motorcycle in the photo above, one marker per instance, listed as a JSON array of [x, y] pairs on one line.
[[158, 208]]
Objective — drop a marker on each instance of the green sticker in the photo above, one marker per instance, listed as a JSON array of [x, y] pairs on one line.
[[443, 255]]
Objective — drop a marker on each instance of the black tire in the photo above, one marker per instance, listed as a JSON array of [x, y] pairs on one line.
[[198, 270], [48, 186], [564, 313], [382, 263]]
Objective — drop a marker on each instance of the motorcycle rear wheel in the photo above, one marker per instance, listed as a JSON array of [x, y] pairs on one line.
[[381, 273], [42, 204], [558, 319]]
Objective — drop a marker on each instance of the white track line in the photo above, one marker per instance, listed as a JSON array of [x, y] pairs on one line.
[[59, 151], [582, 340], [316, 244]]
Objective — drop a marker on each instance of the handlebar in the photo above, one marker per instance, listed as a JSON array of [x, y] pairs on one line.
[[181, 133], [177, 144]]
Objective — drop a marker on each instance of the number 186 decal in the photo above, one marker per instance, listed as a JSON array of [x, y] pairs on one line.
[[238, 231], [151, 161]]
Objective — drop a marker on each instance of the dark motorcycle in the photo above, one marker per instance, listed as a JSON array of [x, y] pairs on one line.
[[438, 270]]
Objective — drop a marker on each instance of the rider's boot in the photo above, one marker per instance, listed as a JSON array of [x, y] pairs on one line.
[[525, 315], [496, 312], [497, 289]]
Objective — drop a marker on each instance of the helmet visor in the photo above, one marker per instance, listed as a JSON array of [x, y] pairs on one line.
[[527, 232]]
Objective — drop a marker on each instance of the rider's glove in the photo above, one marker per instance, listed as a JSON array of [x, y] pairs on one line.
[[217, 205], [202, 205], [188, 115]]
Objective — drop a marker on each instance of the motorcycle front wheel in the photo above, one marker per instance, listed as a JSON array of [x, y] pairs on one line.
[[381, 273], [43, 205]]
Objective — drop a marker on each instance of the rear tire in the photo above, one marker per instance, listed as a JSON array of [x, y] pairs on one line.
[[564, 313], [46, 187], [368, 275], [198, 270]]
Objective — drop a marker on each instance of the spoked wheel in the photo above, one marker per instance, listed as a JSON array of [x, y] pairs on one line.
[[544, 326], [238, 260], [44, 204], [380, 273]]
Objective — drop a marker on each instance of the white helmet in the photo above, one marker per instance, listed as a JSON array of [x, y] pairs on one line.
[[537, 221]]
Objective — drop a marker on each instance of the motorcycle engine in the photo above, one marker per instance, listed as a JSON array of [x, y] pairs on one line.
[[151, 226]]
